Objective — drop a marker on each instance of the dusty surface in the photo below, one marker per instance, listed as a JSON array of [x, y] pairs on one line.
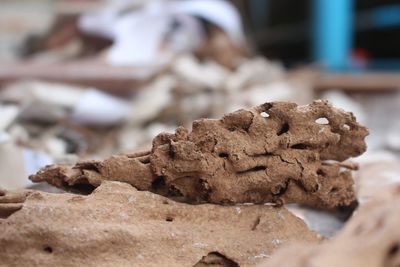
[[371, 238], [275, 152], [117, 225]]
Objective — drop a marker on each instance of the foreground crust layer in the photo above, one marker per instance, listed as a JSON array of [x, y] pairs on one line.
[[120, 226]]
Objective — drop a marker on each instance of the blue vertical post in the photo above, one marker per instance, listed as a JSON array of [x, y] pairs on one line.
[[332, 32], [259, 11]]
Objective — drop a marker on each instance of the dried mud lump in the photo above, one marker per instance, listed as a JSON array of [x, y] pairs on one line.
[[276, 152], [117, 225]]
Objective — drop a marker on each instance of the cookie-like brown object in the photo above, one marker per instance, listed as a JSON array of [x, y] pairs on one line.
[[275, 152], [117, 225]]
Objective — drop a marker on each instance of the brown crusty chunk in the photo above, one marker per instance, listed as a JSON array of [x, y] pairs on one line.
[[118, 225], [275, 152]]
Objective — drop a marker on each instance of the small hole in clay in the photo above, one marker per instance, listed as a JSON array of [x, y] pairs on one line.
[[83, 188], [280, 189], [216, 259], [346, 127], [322, 121], [267, 106], [334, 189], [264, 114], [284, 129], [171, 152], [317, 187], [158, 183], [174, 192], [165, 202], [223, 155], [299, 146], [48, 249], [169, 219], [393, 250], [259, 168], [144, 160], [320, 172], [254, 169], [256, 223]]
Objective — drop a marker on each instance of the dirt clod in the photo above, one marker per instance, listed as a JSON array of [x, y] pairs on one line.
[[117, 225], [287, 156]]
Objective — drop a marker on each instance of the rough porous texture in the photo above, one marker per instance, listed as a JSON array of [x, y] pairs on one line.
[[276, 152], [371, 238], [117, 225]]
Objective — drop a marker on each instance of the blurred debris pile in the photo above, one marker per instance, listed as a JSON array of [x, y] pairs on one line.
[[130, 32]]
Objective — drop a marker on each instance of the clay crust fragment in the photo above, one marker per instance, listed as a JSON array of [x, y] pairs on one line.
[[276, 152], [117, 225]]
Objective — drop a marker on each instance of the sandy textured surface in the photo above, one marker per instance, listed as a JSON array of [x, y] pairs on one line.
[[117, 225]]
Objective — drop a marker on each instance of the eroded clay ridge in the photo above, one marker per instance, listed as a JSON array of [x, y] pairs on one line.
[[118, 225], [275, 152]]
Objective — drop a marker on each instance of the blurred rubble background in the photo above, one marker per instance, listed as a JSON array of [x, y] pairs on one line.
[[86, 79]]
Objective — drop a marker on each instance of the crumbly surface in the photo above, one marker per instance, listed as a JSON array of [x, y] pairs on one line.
[[117, 225], [276, 152], [371, 238]]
